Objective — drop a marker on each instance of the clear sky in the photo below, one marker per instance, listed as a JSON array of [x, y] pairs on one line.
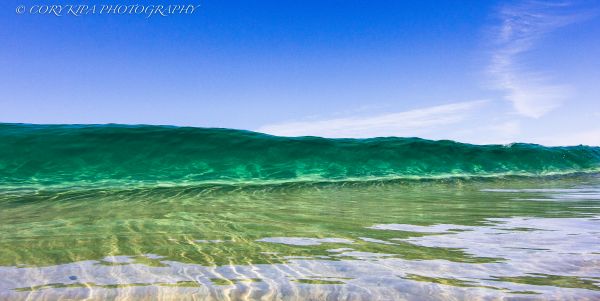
[[472, 71]]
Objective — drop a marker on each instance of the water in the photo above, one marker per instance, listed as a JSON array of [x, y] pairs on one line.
[[122, 212]]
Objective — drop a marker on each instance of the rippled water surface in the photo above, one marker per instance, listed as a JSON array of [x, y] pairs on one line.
[[490, 239]]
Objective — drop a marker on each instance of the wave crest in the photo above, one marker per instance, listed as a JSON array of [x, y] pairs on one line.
[[55, 154]]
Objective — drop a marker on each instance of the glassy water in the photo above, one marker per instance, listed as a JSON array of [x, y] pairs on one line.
[[521, 238]]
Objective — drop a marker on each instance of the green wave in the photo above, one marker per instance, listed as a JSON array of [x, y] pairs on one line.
[[166, 155]]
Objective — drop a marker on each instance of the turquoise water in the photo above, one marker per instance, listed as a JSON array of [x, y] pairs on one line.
[[73, 155], [143, 212]]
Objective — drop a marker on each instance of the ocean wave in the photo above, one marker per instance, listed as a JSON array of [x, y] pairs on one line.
[[50, 155]]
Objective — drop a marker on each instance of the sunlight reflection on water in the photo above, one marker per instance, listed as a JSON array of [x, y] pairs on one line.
[[489, 243]]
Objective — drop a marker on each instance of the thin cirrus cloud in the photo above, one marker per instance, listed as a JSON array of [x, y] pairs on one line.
[[407, 123], [531, 92], [586, 137]]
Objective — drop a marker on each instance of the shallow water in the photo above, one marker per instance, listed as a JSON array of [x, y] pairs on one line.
[[516, 238]]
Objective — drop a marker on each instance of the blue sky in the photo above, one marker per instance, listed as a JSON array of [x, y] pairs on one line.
[[472, 71]]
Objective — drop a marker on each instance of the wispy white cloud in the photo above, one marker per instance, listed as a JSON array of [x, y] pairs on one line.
[[531, 92], [487, 130], [408, 123], [587, 137]]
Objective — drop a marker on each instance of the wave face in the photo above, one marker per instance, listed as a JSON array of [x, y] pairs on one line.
[[87, 154]]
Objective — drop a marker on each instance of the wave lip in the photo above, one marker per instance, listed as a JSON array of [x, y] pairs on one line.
[[62, 154]]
